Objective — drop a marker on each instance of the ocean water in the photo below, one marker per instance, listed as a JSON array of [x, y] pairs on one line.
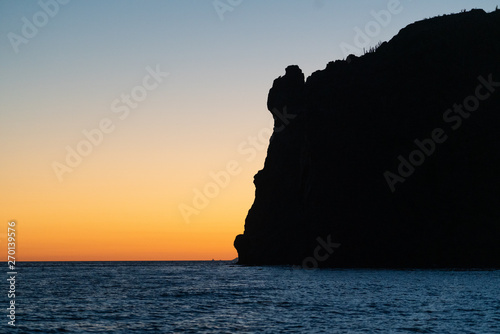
[[221, 297]]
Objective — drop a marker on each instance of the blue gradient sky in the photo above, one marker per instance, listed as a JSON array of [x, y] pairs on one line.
[[66, 77]]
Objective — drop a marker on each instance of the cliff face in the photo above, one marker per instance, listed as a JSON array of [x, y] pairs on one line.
[[391, 159]]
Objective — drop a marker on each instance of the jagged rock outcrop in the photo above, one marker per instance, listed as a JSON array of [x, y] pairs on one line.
[[393, 155]]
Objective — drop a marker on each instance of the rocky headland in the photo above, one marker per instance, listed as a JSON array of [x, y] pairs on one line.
[[390, 159]]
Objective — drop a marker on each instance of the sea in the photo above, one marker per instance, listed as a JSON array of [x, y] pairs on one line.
[[223, 297]]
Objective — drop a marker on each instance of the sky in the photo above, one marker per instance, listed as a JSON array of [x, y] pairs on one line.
[[131, 130]]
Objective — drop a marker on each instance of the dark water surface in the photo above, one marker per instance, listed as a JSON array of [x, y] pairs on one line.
[[220, 297]]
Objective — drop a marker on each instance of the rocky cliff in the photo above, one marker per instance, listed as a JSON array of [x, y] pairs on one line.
[[391, 159]]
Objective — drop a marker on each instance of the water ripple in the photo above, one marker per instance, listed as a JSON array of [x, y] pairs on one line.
[[219, 297]]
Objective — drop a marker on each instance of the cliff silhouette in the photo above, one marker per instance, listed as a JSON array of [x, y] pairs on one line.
[[390, 159]]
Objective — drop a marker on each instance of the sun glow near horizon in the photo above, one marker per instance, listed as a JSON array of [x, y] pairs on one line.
[[100, 212]]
